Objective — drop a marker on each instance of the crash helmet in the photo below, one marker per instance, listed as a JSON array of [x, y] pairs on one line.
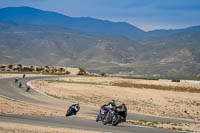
[[113, 101]]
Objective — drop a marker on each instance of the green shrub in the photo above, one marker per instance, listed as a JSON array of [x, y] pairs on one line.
[[27, 69], [102, 74], [19, 65], [39, 69], [2, 67], [10, 66], [81, 72], [61, 69]]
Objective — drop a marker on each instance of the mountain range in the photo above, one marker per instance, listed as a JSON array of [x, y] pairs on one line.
[[31, 36]]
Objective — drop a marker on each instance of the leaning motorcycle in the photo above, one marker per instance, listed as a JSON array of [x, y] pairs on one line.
[[114, 117], [71, 111]]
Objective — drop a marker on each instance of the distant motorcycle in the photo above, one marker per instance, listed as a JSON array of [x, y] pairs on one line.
[[28, 88], [73, 109], [16, 80], [114, 117], [20, 84]]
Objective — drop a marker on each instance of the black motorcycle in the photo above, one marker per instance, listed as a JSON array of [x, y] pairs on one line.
[[115, 116], [73, 109], [28, 88], [16, 80], [20, 84]]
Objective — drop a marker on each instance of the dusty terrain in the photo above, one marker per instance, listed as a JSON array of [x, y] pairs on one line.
[[23, 128], [100, 90]]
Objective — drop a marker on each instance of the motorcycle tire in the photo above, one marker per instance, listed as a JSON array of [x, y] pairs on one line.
[[105, 120], [116, 120], [69, 112], [27, 90]]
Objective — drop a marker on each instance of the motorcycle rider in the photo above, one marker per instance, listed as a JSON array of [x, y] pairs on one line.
[[76, 107], [24, 75], [123, 109], [20, 84], [16, 80], [111, 105], [28, 88], [116, 114]]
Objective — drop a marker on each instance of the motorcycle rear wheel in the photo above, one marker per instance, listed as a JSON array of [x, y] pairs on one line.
[[117, 120]]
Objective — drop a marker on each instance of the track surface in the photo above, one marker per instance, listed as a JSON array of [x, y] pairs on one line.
[[78, 123], [9, 89]]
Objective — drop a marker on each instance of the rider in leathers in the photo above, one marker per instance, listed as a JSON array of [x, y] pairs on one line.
[[76, 107], [111, 104]]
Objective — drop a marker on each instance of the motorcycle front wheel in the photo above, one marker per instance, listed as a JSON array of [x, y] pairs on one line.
[[105, 120], [69, 112]]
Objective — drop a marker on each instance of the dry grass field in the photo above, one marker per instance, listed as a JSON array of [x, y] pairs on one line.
[[143, 99]]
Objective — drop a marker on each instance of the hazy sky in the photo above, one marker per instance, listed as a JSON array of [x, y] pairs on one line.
[[146, 14]]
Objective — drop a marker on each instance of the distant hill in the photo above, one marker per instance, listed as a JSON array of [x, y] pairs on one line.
[[92, 26], [161, 32], [39, 45], [38, 41], [175, 54]]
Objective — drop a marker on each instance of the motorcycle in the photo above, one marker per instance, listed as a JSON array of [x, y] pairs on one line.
[[102, 113], [16, 80], [73, 109], [28, 88], [20, 84], [115, 116]]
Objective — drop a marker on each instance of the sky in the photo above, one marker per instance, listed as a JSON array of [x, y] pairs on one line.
[[145, 14]]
